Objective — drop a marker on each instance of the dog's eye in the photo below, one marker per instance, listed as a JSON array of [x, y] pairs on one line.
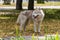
[[33, 15]]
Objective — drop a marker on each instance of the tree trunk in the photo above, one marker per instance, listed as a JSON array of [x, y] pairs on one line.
[[46, 0], [31, 5], [19, 4]]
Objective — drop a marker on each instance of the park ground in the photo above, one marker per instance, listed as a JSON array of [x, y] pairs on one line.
[[35, 4], [50, 24]]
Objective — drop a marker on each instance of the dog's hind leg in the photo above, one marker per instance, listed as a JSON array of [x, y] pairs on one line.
[[25, 24], [22, 22]]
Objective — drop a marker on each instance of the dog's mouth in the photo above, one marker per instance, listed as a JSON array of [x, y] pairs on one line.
[[35, 16]]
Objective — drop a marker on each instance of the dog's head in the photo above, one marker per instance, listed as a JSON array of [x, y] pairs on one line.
[[36, 13]]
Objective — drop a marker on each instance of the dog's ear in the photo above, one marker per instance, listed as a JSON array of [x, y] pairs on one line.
[[40, 8], [36, 7]]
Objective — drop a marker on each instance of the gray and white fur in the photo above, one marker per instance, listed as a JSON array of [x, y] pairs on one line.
[[36, 15]]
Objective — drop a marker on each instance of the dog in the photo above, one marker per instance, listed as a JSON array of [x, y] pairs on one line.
[[36, 15]]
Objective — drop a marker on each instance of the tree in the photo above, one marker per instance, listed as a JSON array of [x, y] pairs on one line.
[[19, 4], [31, 5], [46, 0]]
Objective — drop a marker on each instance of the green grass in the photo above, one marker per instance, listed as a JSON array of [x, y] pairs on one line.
[[15, 11], [57, 37], [4, 17]]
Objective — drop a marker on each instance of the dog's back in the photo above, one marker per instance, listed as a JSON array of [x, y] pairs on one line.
[[24, 14]]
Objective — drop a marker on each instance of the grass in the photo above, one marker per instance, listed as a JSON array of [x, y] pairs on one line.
[[45, 4], [1, 5], [49, 4], [26, 4], [51, 37], [4, 17], [15, 11]]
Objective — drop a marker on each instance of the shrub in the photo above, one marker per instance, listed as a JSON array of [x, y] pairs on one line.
[[40, 1], [52, 13]]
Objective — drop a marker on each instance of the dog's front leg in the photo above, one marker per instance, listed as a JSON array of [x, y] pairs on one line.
[[39, 27], [35, 28]]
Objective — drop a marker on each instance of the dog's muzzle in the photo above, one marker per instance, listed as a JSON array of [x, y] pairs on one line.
[[35, 16]]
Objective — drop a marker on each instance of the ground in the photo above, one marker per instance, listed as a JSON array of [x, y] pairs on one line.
[[7, 27]]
